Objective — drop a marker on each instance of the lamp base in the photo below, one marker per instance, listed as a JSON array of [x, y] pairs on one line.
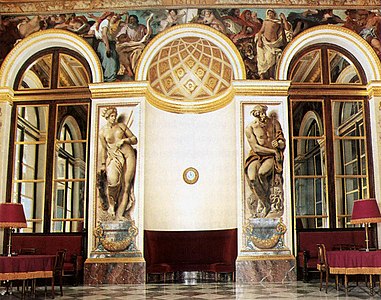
[[365, 249]]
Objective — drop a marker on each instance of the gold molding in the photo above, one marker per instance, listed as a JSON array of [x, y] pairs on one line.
[[111, 260], [261, 88], [182, 107], [56, 94], [265, 257], [6, 95], [374, 89], [118, 89], [331, 92]]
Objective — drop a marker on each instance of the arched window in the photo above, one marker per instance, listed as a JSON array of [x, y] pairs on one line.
[[50, 117], [330, 144]]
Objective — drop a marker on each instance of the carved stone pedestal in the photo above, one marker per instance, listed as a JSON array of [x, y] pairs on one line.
[[276, 268], [114, 271]]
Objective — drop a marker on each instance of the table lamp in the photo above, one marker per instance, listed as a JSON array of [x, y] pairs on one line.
[[365, 211], [12, 216]]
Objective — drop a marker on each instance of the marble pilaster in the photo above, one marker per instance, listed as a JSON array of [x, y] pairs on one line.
[[114, 271], [265, 269]]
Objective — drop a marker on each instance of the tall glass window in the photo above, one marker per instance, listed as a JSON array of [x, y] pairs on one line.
[[330, 145], [50, 141]]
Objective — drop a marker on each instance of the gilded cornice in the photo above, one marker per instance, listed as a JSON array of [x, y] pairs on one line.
[[324, 91], [58, 94], [182, 107], [118, 89], [374, 89], [59, 6], [261, 88], [6, 95]]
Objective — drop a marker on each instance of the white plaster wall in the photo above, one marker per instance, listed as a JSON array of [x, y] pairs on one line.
[[174, 142], [5, 118], [375, 125]]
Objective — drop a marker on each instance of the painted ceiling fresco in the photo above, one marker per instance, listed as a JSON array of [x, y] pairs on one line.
[[259, 34]]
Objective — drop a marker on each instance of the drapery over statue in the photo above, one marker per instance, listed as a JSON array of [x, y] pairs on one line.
[[264, 163]]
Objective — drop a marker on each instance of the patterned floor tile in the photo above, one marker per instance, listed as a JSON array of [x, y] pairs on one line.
[[203, 291]]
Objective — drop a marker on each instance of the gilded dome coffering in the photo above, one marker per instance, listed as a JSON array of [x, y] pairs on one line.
[[190, 69]]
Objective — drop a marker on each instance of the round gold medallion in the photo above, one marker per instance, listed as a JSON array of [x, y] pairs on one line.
[[190, 175]]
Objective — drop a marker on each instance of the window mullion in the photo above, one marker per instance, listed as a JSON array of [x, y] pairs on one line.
[[49, 167]]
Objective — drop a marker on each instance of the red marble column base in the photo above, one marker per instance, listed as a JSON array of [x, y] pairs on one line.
[[265, 269], [114, 271]]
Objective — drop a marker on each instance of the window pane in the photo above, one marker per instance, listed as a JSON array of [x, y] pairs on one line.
[[38, 74], [71, 72], [345, 114], [307, 117], [30, 162], [27, 193], [308, 68], [342, 69], [350, 155], [70, 167], [315, 202]]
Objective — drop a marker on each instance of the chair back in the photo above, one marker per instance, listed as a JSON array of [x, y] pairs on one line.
[[59, 261], [28, 251], [322, 255]]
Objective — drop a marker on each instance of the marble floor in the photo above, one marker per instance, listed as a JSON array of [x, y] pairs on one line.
[[203, 291]]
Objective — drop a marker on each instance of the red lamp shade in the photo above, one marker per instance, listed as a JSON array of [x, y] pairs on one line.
[[365, 211], [12, 215]]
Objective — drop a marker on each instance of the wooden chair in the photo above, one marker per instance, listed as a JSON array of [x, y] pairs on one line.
[[28, 251], [323, 267], [58, 269]]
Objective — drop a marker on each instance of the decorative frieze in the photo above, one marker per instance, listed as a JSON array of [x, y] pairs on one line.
[[59, 6]]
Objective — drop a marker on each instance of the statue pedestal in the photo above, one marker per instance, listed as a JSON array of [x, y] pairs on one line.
[[271, 268], [115, 258], [114, 271], [265, 257]]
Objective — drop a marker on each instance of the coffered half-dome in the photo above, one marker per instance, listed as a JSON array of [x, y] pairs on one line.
[[192, 70]]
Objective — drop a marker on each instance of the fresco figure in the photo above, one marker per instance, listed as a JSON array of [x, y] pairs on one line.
[[233, 23], [250, 27], [271, 39], [118, 166], [9, 35], [172, 19], [264, 164], [352, 20], [131, 41], [106, 48], [211, 18], [371, 32]]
